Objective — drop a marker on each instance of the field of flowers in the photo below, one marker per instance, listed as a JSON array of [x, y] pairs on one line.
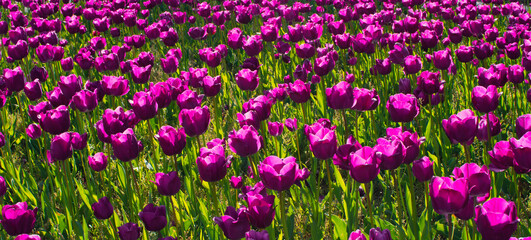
[[265, 119]]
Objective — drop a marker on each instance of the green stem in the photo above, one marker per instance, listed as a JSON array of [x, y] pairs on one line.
[[398, 190], [331, 197], [414, 216], [369, 204], [428, 207], [283, 215], [215, 200], [135, 184], [467, 152]]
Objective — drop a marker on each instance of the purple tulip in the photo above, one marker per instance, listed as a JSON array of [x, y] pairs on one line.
[[102, 208], [18, 219], [279, 174], [299, 91], [153, 217], [245, 142], [253, 45], [494, 127], [323, 140], [291, 124], [118, 120], [98, 162], [33, 90], [34, 131], [429, 82], [260, 209], [448, 196], [378, 234], [357, 235], [141, 75], [115, 86], [465, 53], [171, 141], [212, 166], [195, 121], [461, 127], [210, 56], [402, 107], [275, 128], [496, 219], [365, 99], [478, 178], [125, 145], [39, 73], [28, 237], [235, 38], [423, 169], [412, 64], [144, 105], [523, 125], [485, 99], [389, 153], [3, 186], [247, 79], [85, 101], [323, 65], [55, 121], [305, 51], [236, 182], [340, 96], [235, 223], [129, 231], [168, 184], [18, 51], [442, 59], [14, 79], [364, 167], [254, 235], [189, 99]]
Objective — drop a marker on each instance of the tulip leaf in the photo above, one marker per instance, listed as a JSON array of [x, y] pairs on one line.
[[339, 179], [85, 229], [340, 228], [82, 193]]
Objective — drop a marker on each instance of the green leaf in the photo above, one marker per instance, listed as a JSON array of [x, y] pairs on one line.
[[340, 228], [82, 193]]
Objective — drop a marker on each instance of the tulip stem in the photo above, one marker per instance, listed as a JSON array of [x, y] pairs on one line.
[[427, 203], [135, 183], [518, 198], [398, 190], [467, 152], [113, 226], [369, 204], [283, 214], [212, 186], [347, 130], [414, 216], [175, 216], [331, 197]]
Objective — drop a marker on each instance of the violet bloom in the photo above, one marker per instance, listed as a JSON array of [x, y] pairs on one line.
[[115, 86], [485, 99], [365, 99], [129, 231], [275, 129], [280, 174], [523, 125], [98, 162], [364, 167], [412, 64], [85, 101], [390, 153], [247, 79], [33, 90], [254, 235], [235, 223], [291, 124], [340, 96], [478, 178], [496, 219], [236, 182], [18, 51], [55, 121], [211, 85], [144, 105], [494, 127], [34, 131], [211, 163], [323, 65], [125, 145], [522, 150], [189, 99], [341, 157], [14, 79], [378, 234], [253, 45], [448, 196], [422, 169], [28, 237], [461, 127], [102, 209], [168, 184], [323, 140], [442, 59], [357, 235], [171, 141], [195, 121], [402, 107], [153, 217], [246, 141], [299, 91], [305, 50], [261, 210], [18, 219]]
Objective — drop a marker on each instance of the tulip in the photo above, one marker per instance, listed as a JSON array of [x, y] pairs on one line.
[[195, 121], [171, 141], [448, 196], [423, 169], [141, 75], [478, 178], [357, 235], [323, 65], [18, 219], [115, 86], [234, 224], [402, 107], [496, 219], [28, 237], [412, 64], [365, 99], [494, 127], [189, 99], [33, 131], [279, 174], [102, 208], [14, 79], [246, 141], [378, 234], [98, 162], [429, 82], [212, 167], [523, 125], [260, 210], [247, 79], [129, 231], [275, 128], [39, 73], [18, 51], [118, 120], [254, 235], [3, 186], [144, 105], [341, 157], [85, 101], [305, 51], [235, 38], [153, 217], [299, 91], [522, 150], [291, 124], [236, 182], [442, 59], [211, 85], [168, 184], [61, 147], [485, 99], [364, 167], [253, 45], [390, 153], [465, 53], [323, 141], [461, 127], [125, 145], [340, 96]]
